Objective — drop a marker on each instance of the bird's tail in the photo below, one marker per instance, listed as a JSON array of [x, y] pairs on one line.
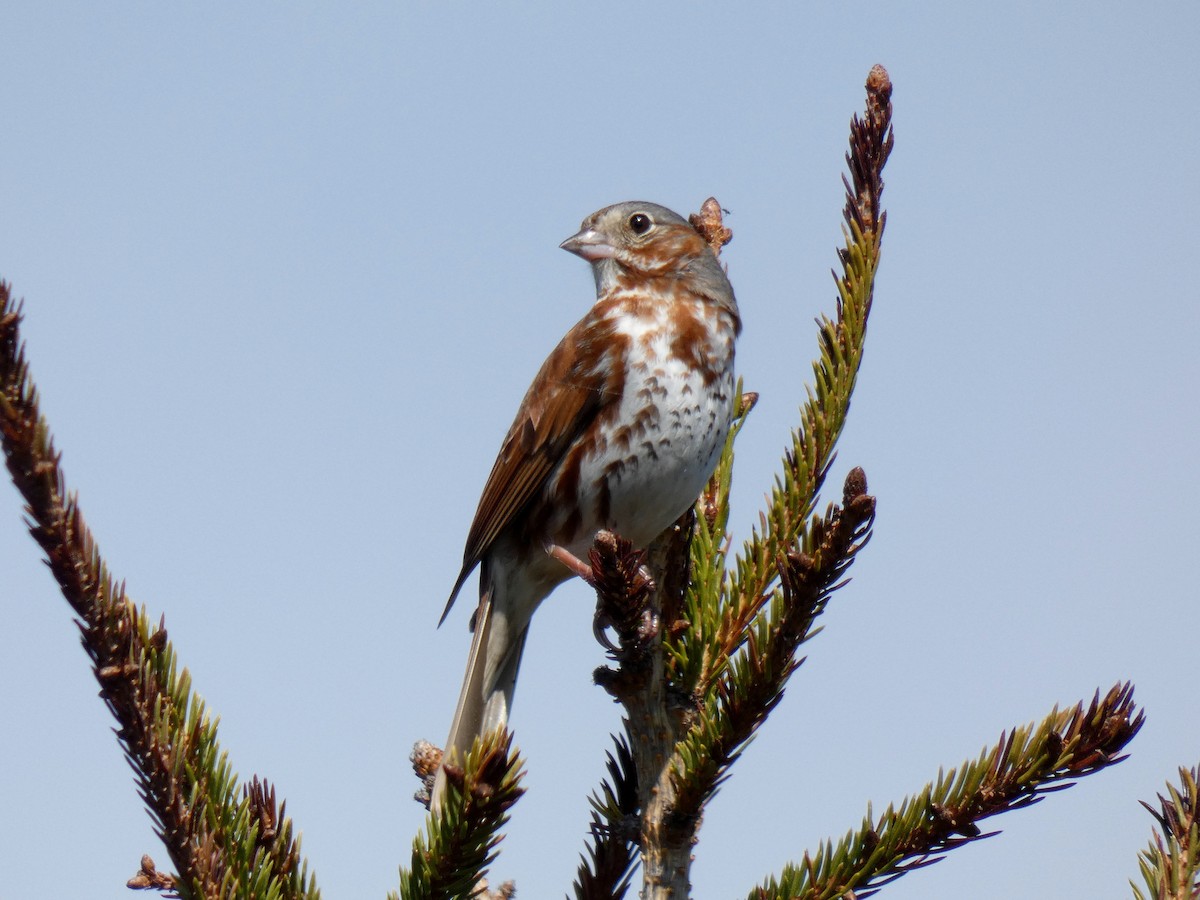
[[487, 689]]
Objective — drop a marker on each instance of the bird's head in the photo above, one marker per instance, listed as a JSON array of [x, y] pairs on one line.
[[635, 242]]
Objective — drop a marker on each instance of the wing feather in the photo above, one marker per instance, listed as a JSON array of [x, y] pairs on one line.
[[568, 392]]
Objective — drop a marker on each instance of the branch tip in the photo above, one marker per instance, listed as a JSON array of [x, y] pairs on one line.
[[711, 225]]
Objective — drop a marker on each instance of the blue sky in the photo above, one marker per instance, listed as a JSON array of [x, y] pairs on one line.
[[289, 269]]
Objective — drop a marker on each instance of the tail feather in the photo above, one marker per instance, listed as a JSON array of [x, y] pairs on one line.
[[488, 686]]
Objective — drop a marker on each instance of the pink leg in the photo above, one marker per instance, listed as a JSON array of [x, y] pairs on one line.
[[571, 561]]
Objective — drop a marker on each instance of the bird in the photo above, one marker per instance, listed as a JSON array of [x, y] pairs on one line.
[[621, 429]]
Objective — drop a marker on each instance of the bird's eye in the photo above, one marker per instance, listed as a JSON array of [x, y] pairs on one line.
[[640, 223]]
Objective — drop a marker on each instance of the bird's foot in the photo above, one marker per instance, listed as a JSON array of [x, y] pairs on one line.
[[572, 562]]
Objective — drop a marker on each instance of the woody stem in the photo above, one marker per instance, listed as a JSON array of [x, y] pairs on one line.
[[654, 727]]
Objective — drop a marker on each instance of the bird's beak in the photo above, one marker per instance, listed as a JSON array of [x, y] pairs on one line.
[[589, 244]]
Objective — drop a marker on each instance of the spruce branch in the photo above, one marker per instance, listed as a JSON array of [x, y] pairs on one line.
[[1027, 763], [275, 838], [633, 591], [218, 842], [741, 649], [697, 685], [605, 871], [451, 858], [752, 684], [808, 459], [1170, 867]]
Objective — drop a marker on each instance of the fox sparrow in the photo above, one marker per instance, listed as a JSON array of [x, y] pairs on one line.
[[621, 429]]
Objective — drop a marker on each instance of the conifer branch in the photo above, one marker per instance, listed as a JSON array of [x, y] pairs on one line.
[[806, 463], [451, 858], [745, 630], [1170, 866], [218, 842], [696, 685], [627, 606], [752, 685], [274, 829], [636, 593], [606, 869], [1027, 763]]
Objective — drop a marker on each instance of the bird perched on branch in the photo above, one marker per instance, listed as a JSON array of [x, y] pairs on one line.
[[620, 430]]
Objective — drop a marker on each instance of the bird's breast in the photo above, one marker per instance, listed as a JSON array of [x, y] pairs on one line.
[[650, 454]]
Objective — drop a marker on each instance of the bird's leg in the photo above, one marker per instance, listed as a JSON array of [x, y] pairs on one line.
[[572, 562]]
